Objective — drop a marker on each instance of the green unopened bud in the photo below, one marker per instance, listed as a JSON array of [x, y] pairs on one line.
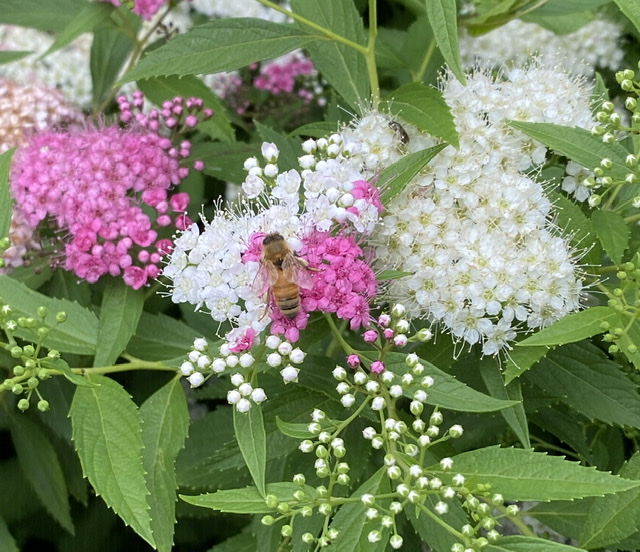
[[271, 501], [343, 479], [30, 364], [321, 491], [16, 352], [43, 374], [267, 520], [286, 531], [324, 509], [308, 538], [306, 511], [512, 510], [621, 274], [8, 384], [632, 348], [608, 106], [43, 311], [18, 371], [283, 507], [42, 332], [299, 479], [33, 382], [597, 130], [321, 451], [606, 163], [53, 354], [43, 405], [613, 349], [29, 350], [17, 389], [61, 317], [631, 103], [299, 495], [23, 404], [626, 85]]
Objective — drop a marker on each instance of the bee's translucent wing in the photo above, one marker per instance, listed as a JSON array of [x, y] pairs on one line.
[[266, 277], [295, 270]]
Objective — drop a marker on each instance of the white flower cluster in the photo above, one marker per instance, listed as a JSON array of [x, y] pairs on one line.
[[593, 45], [66, 70], [473, 230]]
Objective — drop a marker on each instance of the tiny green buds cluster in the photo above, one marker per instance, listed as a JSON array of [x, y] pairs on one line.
[[31, 368]]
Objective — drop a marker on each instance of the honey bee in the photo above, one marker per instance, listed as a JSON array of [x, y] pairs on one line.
[[401, 133], [282, 274]]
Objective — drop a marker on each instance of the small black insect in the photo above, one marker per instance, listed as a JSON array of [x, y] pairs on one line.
[[401, 133]]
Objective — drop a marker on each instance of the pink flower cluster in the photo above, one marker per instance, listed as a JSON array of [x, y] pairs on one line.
[[144, 8], [343, 283], [96, 188], [280, 76]]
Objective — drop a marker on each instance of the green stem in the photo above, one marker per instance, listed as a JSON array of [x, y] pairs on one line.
[[612, 197], [631, 219], [370, 54], [125, 367], [338, 335], [332, 349], [327, 32], [419, 74], [443, 523]]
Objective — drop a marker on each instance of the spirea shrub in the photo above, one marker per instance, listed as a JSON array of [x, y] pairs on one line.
[[376, 260]]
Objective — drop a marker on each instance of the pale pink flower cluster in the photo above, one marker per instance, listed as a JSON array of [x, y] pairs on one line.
[[281, 76], [89, 186]]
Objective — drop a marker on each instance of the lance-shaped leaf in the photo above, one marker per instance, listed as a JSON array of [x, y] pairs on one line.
[[395, 177], [443, 18], [108, 437], [520, 360], [220, 45], [521, 474], [42, 468], [424, 107], [119, 315], [77, 335], [40, 14], [577, 144], [165, 423], [447, 391], [7, 56], [252, 441], [613, 233], [342, 66], [62, 366], [628, 341], [5, 196], [247, 500], [575, 327], [519, 543], [589, 383], [631, 9]]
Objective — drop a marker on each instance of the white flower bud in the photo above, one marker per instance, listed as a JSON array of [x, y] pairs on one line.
[[272, 342], [395, 507], [250, 163], [204, 362], [427, 382], [360, 378], [237, 379], [398, 311], [372, 386], [387, 376], [270, 152], [270, 170], [245, 389], [411, 360], [233, 396], [200, 344], [369, 432], [186, 368], [396, 391], [258, 395], [285, 347], [194, 356], [347, 400], [218, 365], [396, 542], [297, 355], [232, 361], [368, 499], [246, 360], [243, 406], [416, 471], [343, 388], [309, 146], [458, 479], [339, 373], [446, 463], [196, 379], [289, 374], [306, 446], [274, 359], [378, 403], [420, 396]]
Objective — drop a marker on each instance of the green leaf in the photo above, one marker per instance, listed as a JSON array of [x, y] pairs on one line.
[[252, 440], [110, 50], [391, 275], [220, 45], [119, 315], [160, 89], [577, 144], [5, 196], [297, 431], [350, 520], [443, 18], [430, 529], [520, 360], [562, 7], [561, 24], [7, 542], [520, 474], [165, 424], [519, 543], [108, 437], [7, 56], [590, 384], [316, 130], [447, 391], [343, 67], [40, 14], [571, 328], [245, 501], [631, 10], [613, 233], [611, 519], [424, 107], [41, 466], [515, 416], [62, 366], [76, 335], [394, 179], [84, 21]]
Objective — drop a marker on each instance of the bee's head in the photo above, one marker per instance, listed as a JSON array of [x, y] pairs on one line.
[[271, 238]]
